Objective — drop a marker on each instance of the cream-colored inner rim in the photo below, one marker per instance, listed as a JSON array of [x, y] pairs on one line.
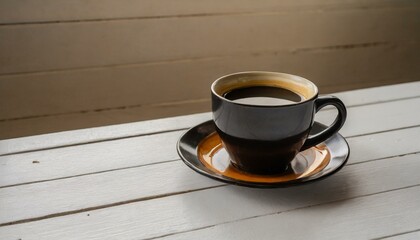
[[293, 83]]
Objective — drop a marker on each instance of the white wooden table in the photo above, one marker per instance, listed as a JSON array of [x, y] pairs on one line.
[[127, 182]]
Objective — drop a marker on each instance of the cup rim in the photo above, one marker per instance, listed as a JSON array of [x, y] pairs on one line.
[[279, 74]]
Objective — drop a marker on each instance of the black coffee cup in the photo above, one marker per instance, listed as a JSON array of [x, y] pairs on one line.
[[264, 137]]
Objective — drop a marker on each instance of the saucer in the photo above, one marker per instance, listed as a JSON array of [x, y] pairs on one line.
[[201, 149]]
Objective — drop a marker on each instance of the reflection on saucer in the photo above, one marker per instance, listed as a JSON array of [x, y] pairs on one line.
[[309, 162]]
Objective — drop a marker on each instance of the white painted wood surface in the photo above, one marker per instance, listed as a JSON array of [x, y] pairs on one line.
[[366, 217], [128, 183], [410, 235]]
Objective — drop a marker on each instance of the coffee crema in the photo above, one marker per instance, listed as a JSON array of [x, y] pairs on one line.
[[263, 96]]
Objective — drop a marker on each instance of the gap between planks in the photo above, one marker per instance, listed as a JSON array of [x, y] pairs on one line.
[[106, 206], [397, 235], [197, 15], [95, 141], [164, 104], [195, 190], [302, 50]]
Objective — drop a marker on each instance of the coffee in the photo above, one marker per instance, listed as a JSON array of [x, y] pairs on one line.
[[263, 96]]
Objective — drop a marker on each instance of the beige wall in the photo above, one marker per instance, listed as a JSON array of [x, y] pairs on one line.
[[74, 64]]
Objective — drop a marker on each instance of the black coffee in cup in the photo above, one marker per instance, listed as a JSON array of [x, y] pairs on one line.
[[263, 96], [264, 118]]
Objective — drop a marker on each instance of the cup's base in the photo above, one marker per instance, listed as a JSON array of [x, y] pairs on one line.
[[261, 157], [275, 170]]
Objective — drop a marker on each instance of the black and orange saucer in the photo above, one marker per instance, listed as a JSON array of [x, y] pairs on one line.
[[201, 149]]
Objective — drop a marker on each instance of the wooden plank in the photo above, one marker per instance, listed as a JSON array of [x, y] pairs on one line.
[[204, 209], [383, 145], [83, 136], [100, 134], [65, 122], [116, 88], [404, 236], [90, 158], [29, 11], [66, 194], [112, 43], [362, 218], [379, 94], [367, 96], [375, 118]]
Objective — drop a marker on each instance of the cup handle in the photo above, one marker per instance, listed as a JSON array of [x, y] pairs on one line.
[[334, 127]]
